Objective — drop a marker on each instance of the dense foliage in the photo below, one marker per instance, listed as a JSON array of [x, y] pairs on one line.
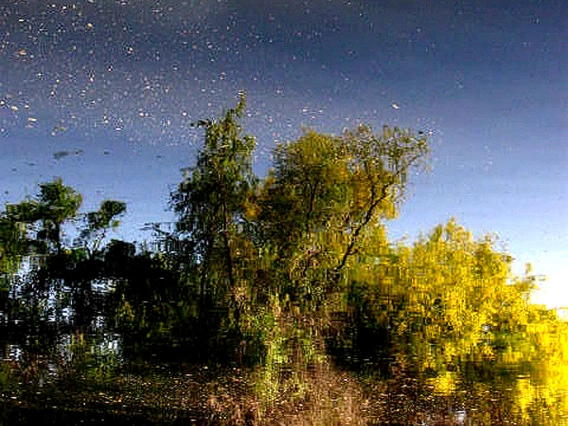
[[285, 275]]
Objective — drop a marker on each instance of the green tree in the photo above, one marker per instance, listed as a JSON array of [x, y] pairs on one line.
[[212, 227], [326, 196], [55, 205], [58, 268], [13, 245], [100, 221], [326, 192]]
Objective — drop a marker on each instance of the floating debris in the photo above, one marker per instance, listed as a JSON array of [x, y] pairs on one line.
[[62, 154]]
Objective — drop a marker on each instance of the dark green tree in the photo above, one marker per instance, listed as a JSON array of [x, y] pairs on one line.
[[56, 204], [212, 226], [99, 222], [40, 229]]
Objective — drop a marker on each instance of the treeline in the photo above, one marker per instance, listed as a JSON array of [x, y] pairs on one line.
[[283, 274]]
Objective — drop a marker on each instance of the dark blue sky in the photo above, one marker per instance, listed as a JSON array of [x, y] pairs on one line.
[[116, 84]]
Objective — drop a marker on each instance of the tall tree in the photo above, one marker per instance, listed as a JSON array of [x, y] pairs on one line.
[[211, 203], [326, 191]]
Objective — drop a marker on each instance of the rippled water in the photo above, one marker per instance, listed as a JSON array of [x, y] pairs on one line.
[[75, 378]]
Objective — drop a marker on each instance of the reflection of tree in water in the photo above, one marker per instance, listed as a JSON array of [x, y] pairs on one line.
[[288, 291]]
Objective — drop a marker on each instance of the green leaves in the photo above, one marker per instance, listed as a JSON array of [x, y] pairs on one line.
[[13, 245], [108, 210], [63, 260], [215, 191], [326, 191], [57, 202], [53, 206], [280, 246], [283, 273], [213, 233], [98, 222]]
